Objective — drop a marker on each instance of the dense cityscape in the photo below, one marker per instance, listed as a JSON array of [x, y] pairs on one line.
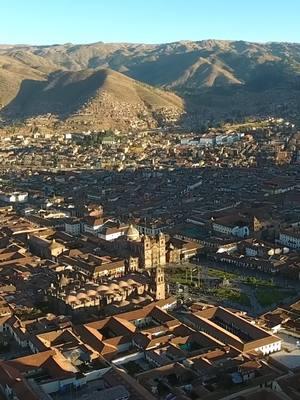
[[154, 265], [149, 200]]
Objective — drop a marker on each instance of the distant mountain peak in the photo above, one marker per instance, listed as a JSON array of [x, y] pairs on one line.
[[194, 69]]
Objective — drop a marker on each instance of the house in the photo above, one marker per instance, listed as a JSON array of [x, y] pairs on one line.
[[93, 225], [14, 197], [73, 226], [112, 230], [232, 225], [290, 238], [234, 330]]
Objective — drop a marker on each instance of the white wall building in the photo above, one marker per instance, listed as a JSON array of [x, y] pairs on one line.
[[73, 227], [14, 197], [290, 239], [92, 229], [239, 231], [207, 141], [110, 234], [270, 348]]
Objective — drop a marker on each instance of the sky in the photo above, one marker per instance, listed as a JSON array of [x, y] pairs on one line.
[[147, 21]]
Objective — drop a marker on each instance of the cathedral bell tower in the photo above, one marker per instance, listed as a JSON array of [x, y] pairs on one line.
[[162, 249], [147, 250], [160, 283]]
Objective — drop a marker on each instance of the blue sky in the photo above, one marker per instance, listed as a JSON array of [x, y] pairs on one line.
[[148, 21]]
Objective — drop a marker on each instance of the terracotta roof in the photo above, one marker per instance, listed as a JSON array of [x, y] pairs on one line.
[[14, 379], [52, 360]]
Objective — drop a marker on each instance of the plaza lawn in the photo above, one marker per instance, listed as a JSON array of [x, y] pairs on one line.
[[255, 282], [235, 296], [216, 273], [267, 296], [182, 275]]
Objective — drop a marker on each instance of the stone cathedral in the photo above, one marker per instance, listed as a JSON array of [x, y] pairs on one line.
[[141, 252]]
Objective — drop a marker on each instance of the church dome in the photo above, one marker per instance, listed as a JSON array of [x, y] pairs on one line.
[[91, 293], [123, 284], [103, 289], [113, 286], [71, 299], [81, 296], [132, 233]]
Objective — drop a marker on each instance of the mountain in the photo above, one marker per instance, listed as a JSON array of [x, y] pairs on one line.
[[180, 64], [215, 78], [89, 99], [14, 71]]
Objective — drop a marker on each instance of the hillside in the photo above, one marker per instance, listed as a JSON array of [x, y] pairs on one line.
[[13, 72], [95, 99], [207, 74]]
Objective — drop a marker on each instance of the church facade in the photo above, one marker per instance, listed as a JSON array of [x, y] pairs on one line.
[[141, 252]]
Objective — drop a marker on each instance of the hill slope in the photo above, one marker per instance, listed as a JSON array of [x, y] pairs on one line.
[[13, 72], [95, 99]]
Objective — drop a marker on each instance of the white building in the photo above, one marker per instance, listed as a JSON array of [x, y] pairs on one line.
[[73, 227], [111, 233], [14, 197], [207, 141], [269, 348], [235, 230], [290, 239], [93, 227]]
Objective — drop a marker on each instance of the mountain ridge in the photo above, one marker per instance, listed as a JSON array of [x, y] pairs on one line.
[[192, 69]]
